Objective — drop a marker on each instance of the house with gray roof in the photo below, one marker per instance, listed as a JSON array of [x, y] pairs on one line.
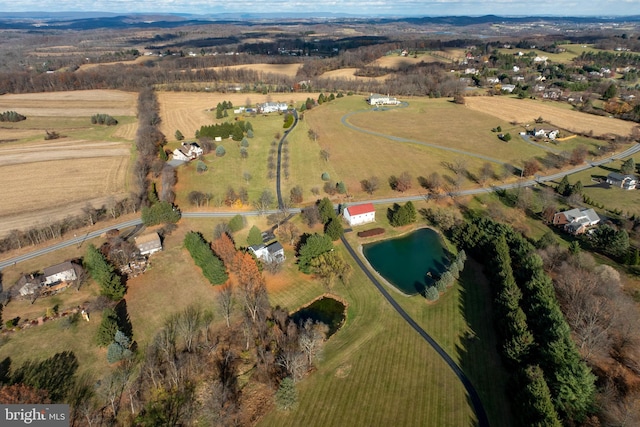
[[576, 221], [626, 182], [271, 253], [149, 244]]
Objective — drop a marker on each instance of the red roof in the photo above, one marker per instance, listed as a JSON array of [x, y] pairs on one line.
[[361, 209]]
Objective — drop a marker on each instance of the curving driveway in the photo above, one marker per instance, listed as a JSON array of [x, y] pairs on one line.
[[483, 420]]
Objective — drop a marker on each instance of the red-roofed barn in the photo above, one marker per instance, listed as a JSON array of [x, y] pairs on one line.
[[360, 214]]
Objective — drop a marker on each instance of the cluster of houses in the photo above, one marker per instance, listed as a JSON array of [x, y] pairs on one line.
[[58, 277]]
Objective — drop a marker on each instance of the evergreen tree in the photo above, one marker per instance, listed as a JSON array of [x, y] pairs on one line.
[[108, 327], [326, 209], [610, 92], [179, 136], [56, 374], [212, 267], [104, 274], [314, 246], [334, 229], [628, 167], [564, 188], [287, 395], [535, 401], [254, 237], [160, 213], [237, 223]]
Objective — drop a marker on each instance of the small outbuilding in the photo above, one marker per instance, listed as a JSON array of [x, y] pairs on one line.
[[360, 214]]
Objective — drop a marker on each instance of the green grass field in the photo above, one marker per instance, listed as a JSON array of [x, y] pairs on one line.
[[377, 361]]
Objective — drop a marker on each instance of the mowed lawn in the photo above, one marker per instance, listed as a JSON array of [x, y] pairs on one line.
[[378, 371], [627, 201]]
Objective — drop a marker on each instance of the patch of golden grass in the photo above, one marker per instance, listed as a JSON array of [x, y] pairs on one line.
[[527, 110], [349, 74], [188, 111], [289, 70], [71, 104], [55, 183]]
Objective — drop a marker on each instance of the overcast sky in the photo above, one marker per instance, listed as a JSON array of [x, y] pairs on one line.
[[356, 7]]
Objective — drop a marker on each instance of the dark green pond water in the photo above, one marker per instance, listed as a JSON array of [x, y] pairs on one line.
[[406, 261], [326, 310]]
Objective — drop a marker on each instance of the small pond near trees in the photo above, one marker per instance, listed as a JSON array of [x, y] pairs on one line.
[[409, 262], [327, 310]]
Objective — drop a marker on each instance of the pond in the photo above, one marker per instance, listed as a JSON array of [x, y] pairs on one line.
[[327, 310], [409, 262]]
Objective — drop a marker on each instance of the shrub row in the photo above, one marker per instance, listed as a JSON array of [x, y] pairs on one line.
[[371, 232]]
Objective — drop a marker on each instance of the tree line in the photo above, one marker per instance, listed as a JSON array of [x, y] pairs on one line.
[[551, 384]]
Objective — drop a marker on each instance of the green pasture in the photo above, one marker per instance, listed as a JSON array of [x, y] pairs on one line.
[[378, 361]]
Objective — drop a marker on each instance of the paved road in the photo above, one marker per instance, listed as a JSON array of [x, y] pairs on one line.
[[628, 152], [483, 420]]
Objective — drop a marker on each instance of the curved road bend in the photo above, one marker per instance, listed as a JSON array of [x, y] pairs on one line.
[[483, 420]]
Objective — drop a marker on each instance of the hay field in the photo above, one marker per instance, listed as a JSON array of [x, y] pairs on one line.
[[396, 61], [81, 103], [49, 180], [527, 110], [39, 185], [357, 155], [289, 70], [188, 111], [349, 74]]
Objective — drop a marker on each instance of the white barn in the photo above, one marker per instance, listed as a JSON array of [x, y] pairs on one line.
[[360, 214]]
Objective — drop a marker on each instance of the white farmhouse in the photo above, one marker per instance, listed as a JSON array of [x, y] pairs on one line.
[[375, 99], [360, 214], [188, 151], [273, 107], [65, 272], [272, 253]]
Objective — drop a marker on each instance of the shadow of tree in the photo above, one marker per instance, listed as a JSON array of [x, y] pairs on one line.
[[478, 349]]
